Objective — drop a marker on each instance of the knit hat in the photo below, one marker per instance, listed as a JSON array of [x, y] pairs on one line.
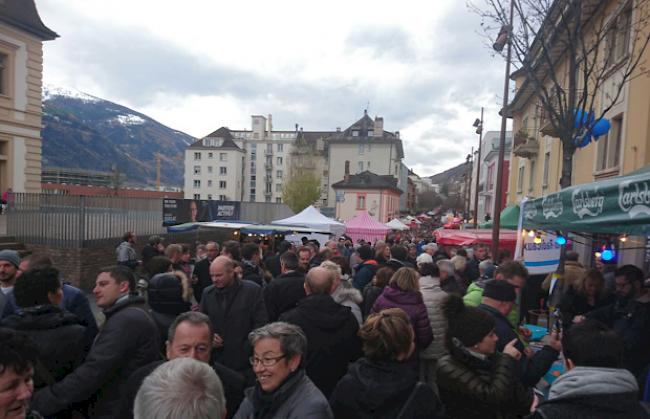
[[10, 256], [467, 324], [499, 290], [423, 258]]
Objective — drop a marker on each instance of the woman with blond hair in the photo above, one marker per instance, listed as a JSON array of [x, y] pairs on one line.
[[383, 384], [403, 291]]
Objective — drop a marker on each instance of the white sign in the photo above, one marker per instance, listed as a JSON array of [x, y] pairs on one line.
[[541, 258]]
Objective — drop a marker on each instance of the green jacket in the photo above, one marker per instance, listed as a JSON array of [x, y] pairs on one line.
[[473, 298]]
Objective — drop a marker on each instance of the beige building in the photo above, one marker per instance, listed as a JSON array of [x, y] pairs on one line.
[[21, 71], [366, 191]]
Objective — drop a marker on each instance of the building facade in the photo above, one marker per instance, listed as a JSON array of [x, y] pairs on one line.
[[21, 73], [367, 191]]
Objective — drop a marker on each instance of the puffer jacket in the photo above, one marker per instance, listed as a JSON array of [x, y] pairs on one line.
[[365, 272], [481, 388], [346, 295], [411, 302], [433, 297]]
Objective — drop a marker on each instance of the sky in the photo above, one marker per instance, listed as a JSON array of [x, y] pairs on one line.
[[198, 65]]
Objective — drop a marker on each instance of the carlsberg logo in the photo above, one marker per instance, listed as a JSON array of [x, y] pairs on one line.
[[634, 198], [552, 206], [587, 202]]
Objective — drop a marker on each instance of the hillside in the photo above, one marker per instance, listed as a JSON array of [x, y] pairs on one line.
[[85, 132]]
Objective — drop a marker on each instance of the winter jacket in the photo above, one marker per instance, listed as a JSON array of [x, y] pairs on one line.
[[380, 390], [593, 393], [365, 272], [296, 398], [471, 270], [201, 278], [574, 274], [128, 340], [474, 297], [61, 339], [433, 297], [235, 311], [148, 252], [346, 295], [532, 369], [252, 273], [480, 387], [273, 265], [165, 297], [126, 255], [370, 294], [575, 303], [332, 340], [283, 293], [451, 286], [411, 302]]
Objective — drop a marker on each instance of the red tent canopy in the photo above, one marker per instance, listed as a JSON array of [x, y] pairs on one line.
[[447, 237], [363, 226]]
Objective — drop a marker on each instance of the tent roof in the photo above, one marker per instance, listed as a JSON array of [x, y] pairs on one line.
[[363, 221], [396, 224], [311, 217], [508, 220], [449, 237]]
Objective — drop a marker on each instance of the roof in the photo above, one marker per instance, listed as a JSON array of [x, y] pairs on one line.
[[369, 180], [222, 134], [23, 15]]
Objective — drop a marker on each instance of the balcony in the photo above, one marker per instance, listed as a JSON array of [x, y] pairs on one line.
[[268, 166], [526, 147], [268, 193], [268, 152]]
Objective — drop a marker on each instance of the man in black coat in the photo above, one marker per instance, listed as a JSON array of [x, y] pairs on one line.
[[251, 257], [498, 300], [331, 330], [273, 263], [201, 277], [128, 340], [235, 307], [284, 292]]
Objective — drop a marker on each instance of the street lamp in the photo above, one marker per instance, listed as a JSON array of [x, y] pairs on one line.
[[505, 37], [478, 124]]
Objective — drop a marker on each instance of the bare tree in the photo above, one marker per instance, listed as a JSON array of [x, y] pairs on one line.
[[577, 57]]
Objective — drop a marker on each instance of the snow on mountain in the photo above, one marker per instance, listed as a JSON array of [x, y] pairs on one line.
[[129, 119], [50, 91]]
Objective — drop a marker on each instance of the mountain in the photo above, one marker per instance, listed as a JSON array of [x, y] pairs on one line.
[[449, 175], [85, 132]]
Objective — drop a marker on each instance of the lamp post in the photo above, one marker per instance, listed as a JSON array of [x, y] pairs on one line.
[[504, 38], [478, 124]]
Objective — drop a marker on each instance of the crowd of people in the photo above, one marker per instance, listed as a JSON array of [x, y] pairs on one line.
[[398, 329]]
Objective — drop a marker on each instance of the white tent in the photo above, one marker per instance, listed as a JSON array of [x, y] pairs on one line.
[[312, 218], [396, 224]]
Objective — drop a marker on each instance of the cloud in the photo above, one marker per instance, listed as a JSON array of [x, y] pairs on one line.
[[380, 42]]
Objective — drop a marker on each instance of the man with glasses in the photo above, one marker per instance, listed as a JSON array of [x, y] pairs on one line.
[[629, 316]]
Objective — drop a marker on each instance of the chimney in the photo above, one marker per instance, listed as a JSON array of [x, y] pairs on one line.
[[338, 129], [346, 177], [397, 134], [379, 127], [296, 127], [270, 124]]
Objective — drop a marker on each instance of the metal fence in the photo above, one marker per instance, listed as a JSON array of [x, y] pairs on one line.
[[66, 221]]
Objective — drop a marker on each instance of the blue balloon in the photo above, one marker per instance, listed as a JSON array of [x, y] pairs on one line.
[[582, 142], [601, 127], [582, 118]]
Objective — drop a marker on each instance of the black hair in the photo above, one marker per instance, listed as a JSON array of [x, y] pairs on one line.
[[249, 250], [631, 273], [17, 351], [232, 247], [34, 285], [121, 274], [158, 265], [289, 260], [365, 252], [592, 344], [284, 246], [398, 252], [429, 269], [126, 236]]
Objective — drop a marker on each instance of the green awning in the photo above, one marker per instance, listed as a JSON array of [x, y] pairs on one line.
[[619, 205], [508, 220]]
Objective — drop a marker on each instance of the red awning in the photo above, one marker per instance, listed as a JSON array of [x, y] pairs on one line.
[[448, 237]]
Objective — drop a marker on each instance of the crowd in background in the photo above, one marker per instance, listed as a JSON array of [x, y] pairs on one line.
[[397, 329]]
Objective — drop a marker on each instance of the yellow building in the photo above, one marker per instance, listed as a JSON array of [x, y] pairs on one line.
[[536, 162], [21, 71]]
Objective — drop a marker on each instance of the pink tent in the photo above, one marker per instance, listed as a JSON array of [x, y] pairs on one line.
[[363, 226]]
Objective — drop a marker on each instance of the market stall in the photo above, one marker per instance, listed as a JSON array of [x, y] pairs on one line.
[[312, 218], [363, 226], [396, 224], [450, 237], [508, 220]]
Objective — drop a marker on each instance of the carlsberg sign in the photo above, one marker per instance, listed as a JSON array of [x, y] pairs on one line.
[[634, 198]]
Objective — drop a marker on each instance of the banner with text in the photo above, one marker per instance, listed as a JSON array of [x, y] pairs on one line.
[[179, 211]]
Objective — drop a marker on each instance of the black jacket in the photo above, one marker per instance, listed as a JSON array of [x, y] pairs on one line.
[[252, 273], [483, 389], [235, 311], [61, 339], [283, 293], [201, 278], [332, 340], [532, 369], [128, 340], [370, 295], [380, 390], [273, 265]]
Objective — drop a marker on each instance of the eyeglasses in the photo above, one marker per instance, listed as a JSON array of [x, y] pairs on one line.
[[267, 362]]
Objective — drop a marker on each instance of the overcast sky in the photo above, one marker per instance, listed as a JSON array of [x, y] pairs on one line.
[[197, 65]]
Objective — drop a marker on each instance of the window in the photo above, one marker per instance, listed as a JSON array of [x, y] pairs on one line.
[[279, 161], [252, 191], [252, 197], [278, 200], [547, 162], [278, 174], [197, 170], [267, 199], [531, 176], [268, 188], [361, 202], [210, 155], [210, 197], [520, 179], [355, 133], [269, 148], [252, 184], [223, 170], [253, 147], [223, 198], [223, 156], [253, 166], [197, 196], [209, 169], [280, 148], [4, 65], [197, 183], [197, 156], [360, 167], [278, 187], [618, 36], [209, 183], [222, 184], [362, 148], [609, 147]]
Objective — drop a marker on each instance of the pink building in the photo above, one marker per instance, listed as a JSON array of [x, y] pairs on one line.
[[366, 191]]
